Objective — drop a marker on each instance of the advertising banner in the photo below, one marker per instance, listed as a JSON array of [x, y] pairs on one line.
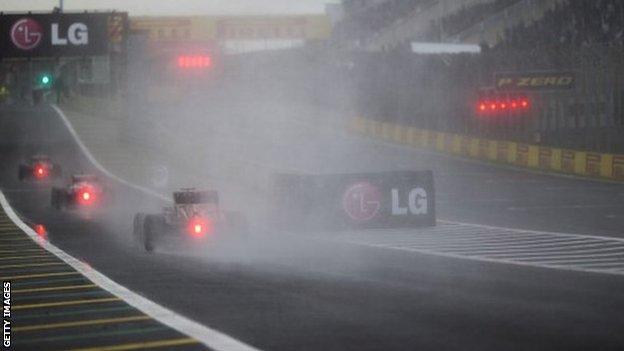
[[522, 155], [523, 81], [567, 161], [342, 201], [618, 167], [592, 165], [52, 35], [502, 154], [545, 158]]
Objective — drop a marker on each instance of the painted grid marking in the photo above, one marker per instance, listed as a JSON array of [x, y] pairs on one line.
[[583, 253]]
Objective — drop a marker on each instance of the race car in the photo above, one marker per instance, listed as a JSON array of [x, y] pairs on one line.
[[85, 191], [39, 168], [195, 218]]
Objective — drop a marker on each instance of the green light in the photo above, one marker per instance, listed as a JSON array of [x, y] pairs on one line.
[[45, 79]]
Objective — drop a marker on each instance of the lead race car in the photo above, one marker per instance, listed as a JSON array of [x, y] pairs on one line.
[[85, 191], [39, 168], [195, 218]]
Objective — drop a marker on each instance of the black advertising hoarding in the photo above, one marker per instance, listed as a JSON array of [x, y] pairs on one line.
[[353, 201], [51, 35], [523, 81]]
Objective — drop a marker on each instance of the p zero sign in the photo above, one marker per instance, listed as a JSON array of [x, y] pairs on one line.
[[367, 200], [50, 35], [523, 81]]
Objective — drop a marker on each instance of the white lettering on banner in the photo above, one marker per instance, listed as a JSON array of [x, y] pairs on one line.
[[418, 201], [55, 36], [397, 210], [77, 34], [416, 204]]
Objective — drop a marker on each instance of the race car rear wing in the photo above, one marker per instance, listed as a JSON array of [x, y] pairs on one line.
[[351, 201]]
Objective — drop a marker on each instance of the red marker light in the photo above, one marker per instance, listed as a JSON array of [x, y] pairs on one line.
[[40, 229], [482, 107], [524, 103], [514, 104]]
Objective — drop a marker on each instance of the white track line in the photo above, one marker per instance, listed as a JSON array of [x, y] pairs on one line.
[[492, 247], [486, 259], [566, 235], [493, 244], [97, 164], [584, 258], [208, 336], [542, 252]]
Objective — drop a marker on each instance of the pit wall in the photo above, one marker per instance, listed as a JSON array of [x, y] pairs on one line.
[[537, 157]]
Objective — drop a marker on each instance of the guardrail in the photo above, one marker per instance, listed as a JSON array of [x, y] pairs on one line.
[[538, 157]]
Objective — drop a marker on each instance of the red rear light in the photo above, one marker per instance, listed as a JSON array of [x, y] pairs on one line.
[[40, 171], [86, 196], [524, 103], [199, 227]]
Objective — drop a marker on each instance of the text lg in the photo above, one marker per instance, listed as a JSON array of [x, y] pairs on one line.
[[77, 34], [416, 203]]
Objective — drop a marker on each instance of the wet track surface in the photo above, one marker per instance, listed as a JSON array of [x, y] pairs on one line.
[[304, 293]]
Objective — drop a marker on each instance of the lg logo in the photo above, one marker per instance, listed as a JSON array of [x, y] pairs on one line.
[[27, 34], [361, 201], [416, 203]]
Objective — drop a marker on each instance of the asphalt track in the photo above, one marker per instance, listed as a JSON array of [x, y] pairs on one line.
[[288, 293]]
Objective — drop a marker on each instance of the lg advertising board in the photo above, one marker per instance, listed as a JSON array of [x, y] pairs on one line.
[[51, 35], [342, 201]]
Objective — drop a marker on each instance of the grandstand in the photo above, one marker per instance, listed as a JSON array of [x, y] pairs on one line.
[[578, 23], [385, 24]]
